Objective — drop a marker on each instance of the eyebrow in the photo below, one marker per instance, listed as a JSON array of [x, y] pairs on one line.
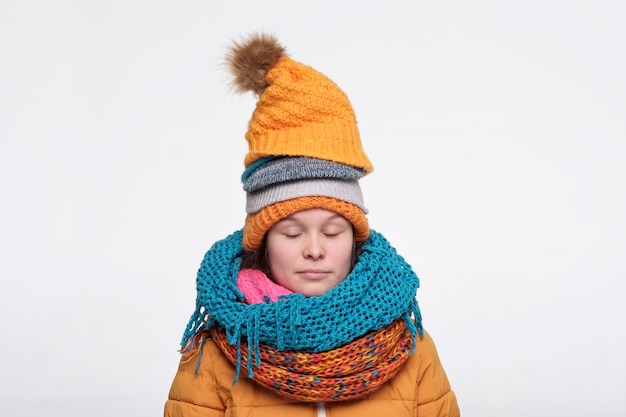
[[331, 217]]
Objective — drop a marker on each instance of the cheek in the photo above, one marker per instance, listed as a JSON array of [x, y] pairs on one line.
[[346, 259], [279, 257]]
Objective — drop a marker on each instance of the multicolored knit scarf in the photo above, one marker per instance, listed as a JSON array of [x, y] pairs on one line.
[[380, 289], [344, 373]]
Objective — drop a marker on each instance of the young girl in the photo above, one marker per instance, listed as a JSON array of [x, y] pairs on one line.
[[306, 311]]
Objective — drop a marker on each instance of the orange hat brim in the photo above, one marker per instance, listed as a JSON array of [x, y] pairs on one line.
[[257, 224]]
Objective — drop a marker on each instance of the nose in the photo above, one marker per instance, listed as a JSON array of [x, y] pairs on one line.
[[314, 249]]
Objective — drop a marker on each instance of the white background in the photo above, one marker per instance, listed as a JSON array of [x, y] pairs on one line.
[[497, 130]]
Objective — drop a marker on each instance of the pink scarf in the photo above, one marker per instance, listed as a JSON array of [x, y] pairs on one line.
[[258, 288]]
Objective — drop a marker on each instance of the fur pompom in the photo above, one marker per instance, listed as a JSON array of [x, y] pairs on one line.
[[250, 60]]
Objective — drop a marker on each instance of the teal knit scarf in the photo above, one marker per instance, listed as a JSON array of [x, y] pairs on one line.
[[381, 288]]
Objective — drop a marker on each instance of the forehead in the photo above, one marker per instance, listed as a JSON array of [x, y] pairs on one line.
[[313, 215]]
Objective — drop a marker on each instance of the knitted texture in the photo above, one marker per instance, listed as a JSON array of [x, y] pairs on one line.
[[303, 140], [303, 113], [344, 373], [381, 288], [345, 190], [279, 170], [257, 224], [258, 288]]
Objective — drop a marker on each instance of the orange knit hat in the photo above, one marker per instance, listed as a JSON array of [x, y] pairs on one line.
[[257, 224], [305, 128]]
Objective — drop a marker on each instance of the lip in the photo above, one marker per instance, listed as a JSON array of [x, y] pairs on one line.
[[313, 274]]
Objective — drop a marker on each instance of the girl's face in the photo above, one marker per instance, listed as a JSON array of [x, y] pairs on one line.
[[310, 251]]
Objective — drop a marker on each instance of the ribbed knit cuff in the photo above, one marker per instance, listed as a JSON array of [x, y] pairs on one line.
[[297, 168], [346, 190]]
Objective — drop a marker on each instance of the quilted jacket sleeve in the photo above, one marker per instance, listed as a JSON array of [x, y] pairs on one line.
[[195, 394], [435, 397]]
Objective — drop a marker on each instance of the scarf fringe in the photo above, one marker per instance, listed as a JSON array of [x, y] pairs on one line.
[[413, 320], [194, 346], [340, 374]]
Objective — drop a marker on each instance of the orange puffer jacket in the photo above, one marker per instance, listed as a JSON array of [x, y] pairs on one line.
[[420, 389]]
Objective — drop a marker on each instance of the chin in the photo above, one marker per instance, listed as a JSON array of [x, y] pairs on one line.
[[314, 293]]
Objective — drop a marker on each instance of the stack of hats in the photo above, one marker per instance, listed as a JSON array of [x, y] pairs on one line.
[[304, 145]]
